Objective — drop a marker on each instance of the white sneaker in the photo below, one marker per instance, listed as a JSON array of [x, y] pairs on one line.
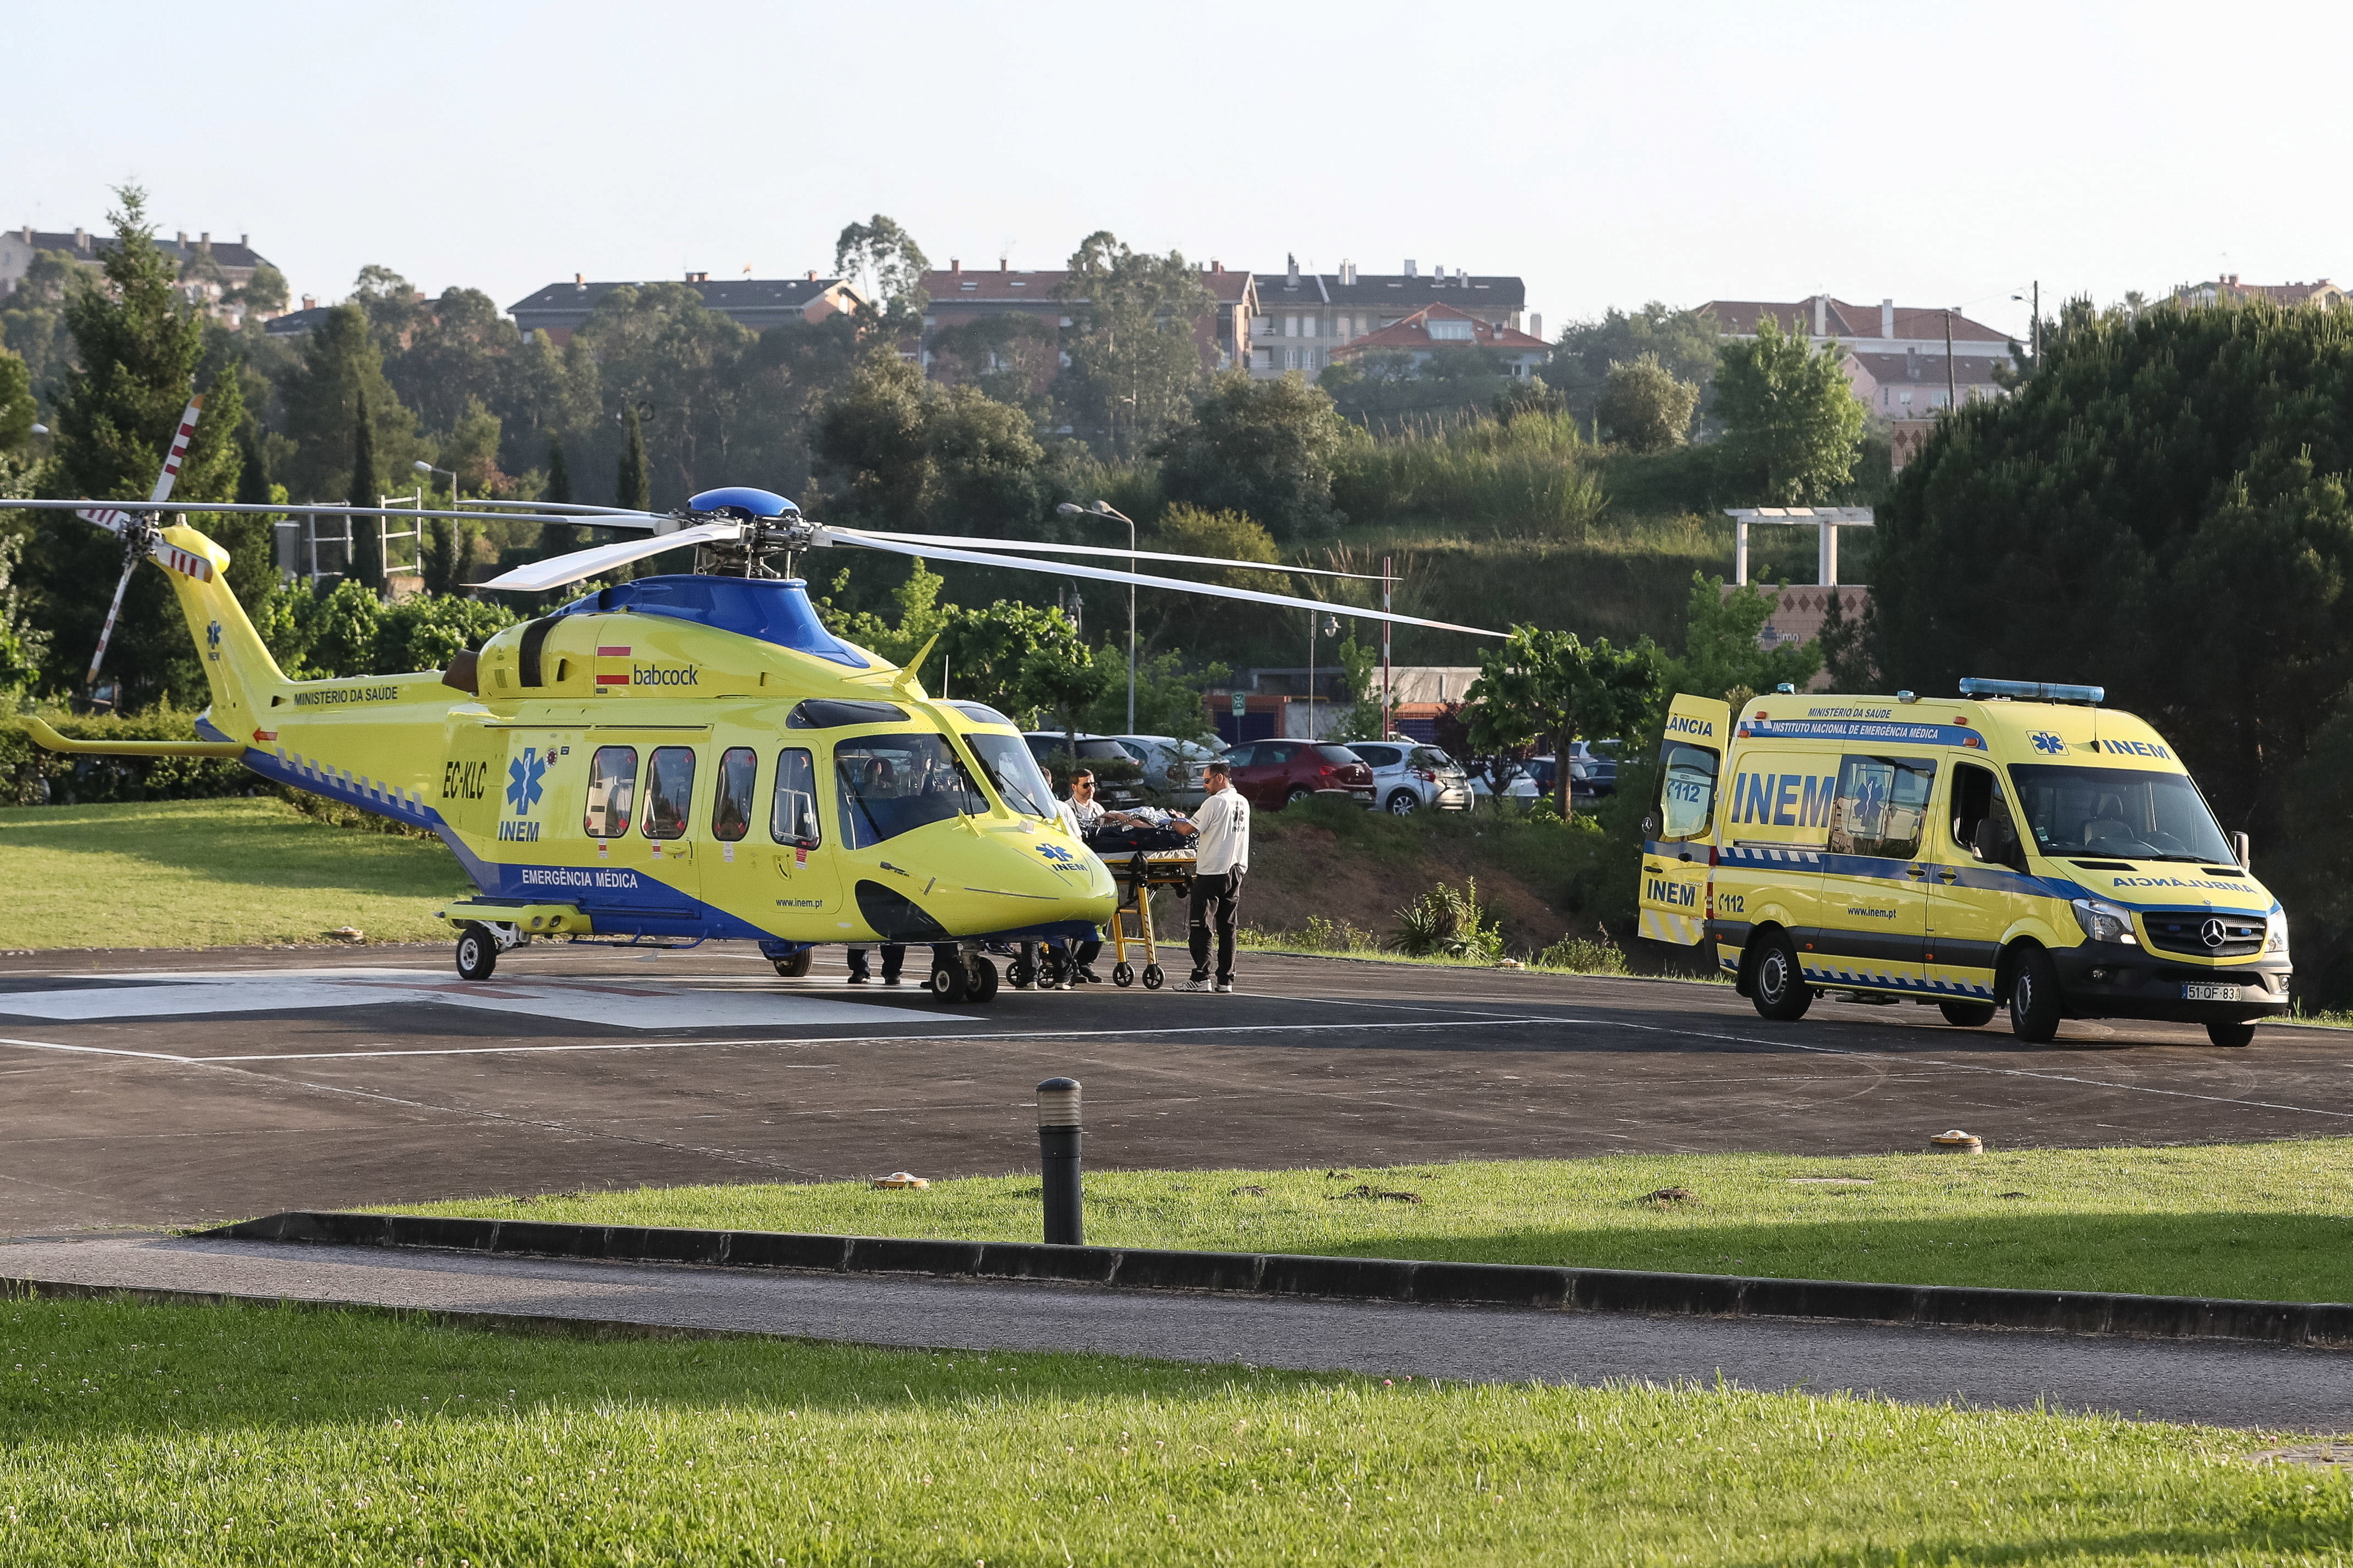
[[1225, 988], [1193, 986]]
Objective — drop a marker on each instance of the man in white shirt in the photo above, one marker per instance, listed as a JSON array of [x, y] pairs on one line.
[[1081, 815], [1222, 859]]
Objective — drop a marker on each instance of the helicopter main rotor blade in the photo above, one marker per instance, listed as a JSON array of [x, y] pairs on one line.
[[540, 575], [1110, 550], [106, 632], [126, 508], [565, 507], [1064, 569]]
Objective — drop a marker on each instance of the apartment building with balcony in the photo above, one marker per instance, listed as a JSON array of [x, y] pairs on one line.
[[1304, 319]]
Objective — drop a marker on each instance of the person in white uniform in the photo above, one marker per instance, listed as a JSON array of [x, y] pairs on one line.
[[1222, 858]]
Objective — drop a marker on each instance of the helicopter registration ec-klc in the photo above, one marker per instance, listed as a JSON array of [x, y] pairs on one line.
[[676, 758]]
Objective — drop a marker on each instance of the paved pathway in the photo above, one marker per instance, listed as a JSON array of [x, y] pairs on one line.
[[2231, 1386]]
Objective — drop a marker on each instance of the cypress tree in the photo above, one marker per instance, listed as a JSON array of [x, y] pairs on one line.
[[556, 538], [368, 550], [637, 486]]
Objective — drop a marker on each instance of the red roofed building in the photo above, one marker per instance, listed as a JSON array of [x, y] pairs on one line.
[[1895, 354], [1437, 327], [958, 297], [2227, 290]]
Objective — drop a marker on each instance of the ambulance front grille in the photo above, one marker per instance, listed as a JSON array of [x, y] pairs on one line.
[[2184, 930]]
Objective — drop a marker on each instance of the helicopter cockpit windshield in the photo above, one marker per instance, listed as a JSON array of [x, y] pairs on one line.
[[1014, 771], [890, 785]]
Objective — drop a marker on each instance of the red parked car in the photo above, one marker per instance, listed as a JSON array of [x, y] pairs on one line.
[[1275, 774]]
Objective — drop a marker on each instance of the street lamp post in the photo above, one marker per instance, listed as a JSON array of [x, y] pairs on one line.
[[1103, 509]]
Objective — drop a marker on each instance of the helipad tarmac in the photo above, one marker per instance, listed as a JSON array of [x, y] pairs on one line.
[[152, 1089]]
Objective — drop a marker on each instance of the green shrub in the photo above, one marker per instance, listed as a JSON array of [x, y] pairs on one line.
[[1596, 955], [1450, 922]]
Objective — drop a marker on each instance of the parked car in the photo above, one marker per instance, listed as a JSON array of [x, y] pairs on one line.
[[1116, 770], [1408, 777], [1173, 769], [1592, 774], [1276, 773]]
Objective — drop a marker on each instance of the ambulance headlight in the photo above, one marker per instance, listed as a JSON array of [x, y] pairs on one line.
[[2104, 921], [2275, 933]]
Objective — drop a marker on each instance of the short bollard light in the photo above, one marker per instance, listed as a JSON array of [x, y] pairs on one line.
[[1058, 1157]]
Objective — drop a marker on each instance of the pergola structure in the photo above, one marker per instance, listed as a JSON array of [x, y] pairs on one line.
[[1829, 519]]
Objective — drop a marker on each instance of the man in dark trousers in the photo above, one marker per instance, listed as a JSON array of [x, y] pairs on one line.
[[1223, 856]]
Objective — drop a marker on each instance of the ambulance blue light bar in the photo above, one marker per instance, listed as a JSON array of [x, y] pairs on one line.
[[2032, 690]]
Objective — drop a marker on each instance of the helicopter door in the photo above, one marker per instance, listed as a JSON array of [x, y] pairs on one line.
[[673, 850], [629, 878], [806, 883]]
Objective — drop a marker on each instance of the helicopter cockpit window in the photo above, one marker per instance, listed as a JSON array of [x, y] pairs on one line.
[[612, 791], [890, 785], [730, 803], [981, 713], [792, 819], [834, 713], [1005, 759], [669, 791]]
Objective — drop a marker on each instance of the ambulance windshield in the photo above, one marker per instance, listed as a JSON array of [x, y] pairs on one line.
[[2119, 811]]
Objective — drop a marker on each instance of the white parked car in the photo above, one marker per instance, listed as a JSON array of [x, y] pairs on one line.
[[1409, 776], [1173, 768]]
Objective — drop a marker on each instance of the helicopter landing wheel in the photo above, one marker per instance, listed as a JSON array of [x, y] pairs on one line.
[[983, 983], [477, 953], [948, 982], [1122, 974], [1153, 977], [794, 966]]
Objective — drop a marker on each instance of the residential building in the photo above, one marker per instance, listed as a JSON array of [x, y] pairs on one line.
[[1895, 354], [2228, 289], [1303, 318], [560, 309], [958, 297], [1434, 327], [209, 271]]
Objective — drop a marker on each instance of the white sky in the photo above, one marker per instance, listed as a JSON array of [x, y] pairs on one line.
[[1945, 154]]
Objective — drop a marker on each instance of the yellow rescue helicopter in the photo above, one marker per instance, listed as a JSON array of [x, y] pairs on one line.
[[676, 758]]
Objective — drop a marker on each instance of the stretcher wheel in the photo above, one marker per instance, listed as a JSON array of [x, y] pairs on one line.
[[1020, 973], [1122, 974], [477, 953], [1053, 968], [1153, 977]]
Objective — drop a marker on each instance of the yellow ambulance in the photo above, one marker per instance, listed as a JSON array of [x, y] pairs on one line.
[[2020, 847]]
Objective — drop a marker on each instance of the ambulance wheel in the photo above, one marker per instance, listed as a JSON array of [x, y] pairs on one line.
[[477, 953], [1779, 987], [2231, 1035], [984, 979], [2034, 998], [1966, 1014], [792, 966], [948, 982], [1153, 977], [1122, 974]]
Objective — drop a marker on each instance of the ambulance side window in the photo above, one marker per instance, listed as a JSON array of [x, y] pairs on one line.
[[1687, 791], [612, 791], [669, 791], [731, 804], [1881, 804], [792, 819], [1973, 795]]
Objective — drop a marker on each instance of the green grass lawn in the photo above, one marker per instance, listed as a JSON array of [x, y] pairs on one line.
[[211, 873], [2259, 1221], [189, 1434]]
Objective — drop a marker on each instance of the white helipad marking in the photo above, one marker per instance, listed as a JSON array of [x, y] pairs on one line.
[[627, 1005]]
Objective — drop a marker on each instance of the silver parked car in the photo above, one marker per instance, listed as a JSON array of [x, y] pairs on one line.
[[1407, 776], [1177, 770]]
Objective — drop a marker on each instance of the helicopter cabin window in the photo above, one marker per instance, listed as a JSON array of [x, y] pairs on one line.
[[890, 785], [612, 791], [1007, 761], [669, 791], [731, 804], [792, 819]]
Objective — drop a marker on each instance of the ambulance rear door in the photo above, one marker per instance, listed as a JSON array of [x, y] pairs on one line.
[[1678, 837]]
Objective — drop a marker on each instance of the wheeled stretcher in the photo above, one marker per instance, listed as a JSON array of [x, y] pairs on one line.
[[1138, 872]]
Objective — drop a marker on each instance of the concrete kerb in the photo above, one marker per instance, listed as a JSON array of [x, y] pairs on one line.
[[2312, 1324]]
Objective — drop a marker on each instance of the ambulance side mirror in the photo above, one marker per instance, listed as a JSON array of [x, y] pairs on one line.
[[2243, 849]]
